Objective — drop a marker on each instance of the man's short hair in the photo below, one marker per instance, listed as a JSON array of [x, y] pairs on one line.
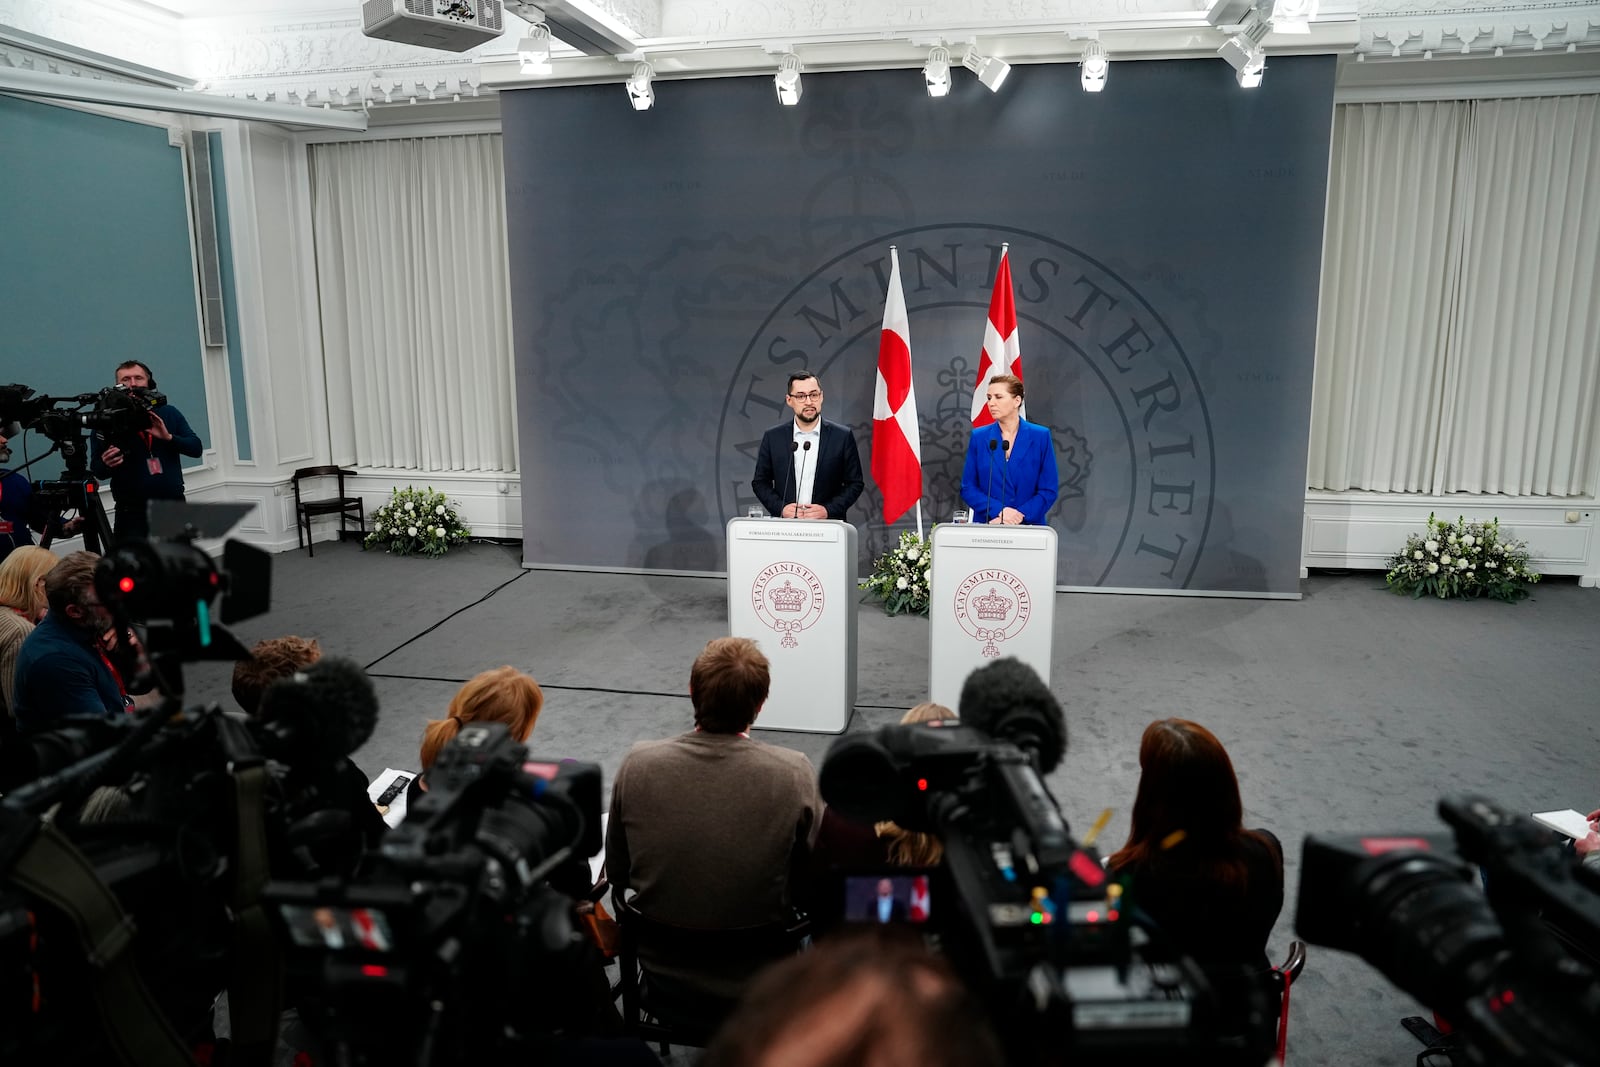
[[274, 658], [800, 376], [70, 581], [1012, 383], [873, 997], [127, 363], [728, 684]]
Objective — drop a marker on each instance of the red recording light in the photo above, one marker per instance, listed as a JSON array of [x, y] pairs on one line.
[[1507, 997], [374, 970], [1093, 916], [214, 578], [89, 487], [1111, 915], [125, 584], [922, 785]]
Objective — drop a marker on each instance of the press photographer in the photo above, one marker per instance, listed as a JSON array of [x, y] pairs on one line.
[[1067, 972], [144, 463], [1497, 931]]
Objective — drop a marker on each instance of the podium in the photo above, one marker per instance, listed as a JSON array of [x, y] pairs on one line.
[[792, 589], [993, 594]]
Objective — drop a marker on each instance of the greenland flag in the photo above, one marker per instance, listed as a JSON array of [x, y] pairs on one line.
[[1002, 352], [896, 439]]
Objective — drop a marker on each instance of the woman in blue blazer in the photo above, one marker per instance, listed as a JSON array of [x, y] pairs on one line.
[[1010, 475]]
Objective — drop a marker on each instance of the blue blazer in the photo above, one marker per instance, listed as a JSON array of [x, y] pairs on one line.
[[1027, 481]]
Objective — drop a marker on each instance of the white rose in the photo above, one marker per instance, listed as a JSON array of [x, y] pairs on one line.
[[1467, 540], [1460, 564], [1490, 564], [409, 507], [412, 530], [1431, 546], [1445, 559], [901, 582], [1451, 538], [439, 510], [912, 554], [441, 530], [1417, 554], [1433, 568]]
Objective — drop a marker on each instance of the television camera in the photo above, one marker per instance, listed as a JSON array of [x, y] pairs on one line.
[[1069, 974], [1509, 959], [114, 412]]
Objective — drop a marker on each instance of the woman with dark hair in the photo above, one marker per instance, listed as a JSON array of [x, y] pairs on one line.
[[1214, 887]]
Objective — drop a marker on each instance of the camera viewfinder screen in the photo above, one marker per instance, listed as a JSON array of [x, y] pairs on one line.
[[874, 898], [338, 929]]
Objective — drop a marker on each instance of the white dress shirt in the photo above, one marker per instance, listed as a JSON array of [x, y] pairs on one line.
[[805, 463]]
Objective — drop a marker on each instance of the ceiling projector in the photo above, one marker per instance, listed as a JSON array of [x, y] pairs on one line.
[[452, 25]]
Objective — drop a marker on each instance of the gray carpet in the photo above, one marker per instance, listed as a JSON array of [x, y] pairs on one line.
[[1350, 710]]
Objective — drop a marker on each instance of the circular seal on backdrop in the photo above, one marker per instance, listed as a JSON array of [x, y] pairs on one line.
[[1104, 357], [788, 598], [991, 606]]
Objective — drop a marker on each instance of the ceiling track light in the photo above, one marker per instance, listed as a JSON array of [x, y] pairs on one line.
[[640, 93], [936, 73], [1244, 53], [533, 51], [1095, 67], [991, 71], [787, 80]]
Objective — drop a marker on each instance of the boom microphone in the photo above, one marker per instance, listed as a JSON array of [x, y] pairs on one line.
[[322, 713], [1005, 477], [1010, 702]]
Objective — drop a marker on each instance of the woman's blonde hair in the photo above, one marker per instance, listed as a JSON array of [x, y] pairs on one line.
[[504, 694], [19, 578], [907, 848]]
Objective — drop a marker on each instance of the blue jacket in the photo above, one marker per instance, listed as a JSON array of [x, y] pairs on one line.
[[1026, 481], [15, 489], [61, 675]]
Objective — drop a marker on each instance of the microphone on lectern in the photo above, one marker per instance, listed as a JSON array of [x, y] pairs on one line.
[[788, 469], [801, 479]]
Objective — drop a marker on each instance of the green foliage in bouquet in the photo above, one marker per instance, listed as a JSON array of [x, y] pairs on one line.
[[416, 520], [900, 577], [1462, 559]]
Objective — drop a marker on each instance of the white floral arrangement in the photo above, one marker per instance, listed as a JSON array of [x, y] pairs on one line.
[[416, 520], [900, 577], [1462, 559]]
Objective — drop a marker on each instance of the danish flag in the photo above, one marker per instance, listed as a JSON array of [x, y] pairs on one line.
[[1002, 352], [896, 439], [918, 911]]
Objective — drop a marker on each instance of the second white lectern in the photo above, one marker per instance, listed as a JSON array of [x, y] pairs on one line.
[[792, 589], [993, 593]]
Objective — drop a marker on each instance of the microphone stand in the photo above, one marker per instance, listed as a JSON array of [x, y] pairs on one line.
[[990, 490], [1005, 477], [803, 450], [788, 470]]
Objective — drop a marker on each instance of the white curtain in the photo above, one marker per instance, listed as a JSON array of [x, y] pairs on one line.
[[416, 302], [1460, 307]]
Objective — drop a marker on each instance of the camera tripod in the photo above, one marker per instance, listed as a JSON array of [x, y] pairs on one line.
[[76, 490]]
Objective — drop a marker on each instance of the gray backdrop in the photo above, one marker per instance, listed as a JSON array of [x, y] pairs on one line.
[[669, 269]]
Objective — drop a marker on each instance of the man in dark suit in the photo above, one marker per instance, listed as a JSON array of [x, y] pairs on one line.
[[797, 482]]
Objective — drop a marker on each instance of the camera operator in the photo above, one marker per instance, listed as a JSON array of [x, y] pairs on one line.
[[15, 489], [144, 466]]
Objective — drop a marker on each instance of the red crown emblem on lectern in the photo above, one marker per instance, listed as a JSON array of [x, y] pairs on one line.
[[787, 599], [993, 607]]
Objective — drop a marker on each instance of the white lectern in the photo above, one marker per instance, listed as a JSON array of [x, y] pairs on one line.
[[993, 594], [792, 588]]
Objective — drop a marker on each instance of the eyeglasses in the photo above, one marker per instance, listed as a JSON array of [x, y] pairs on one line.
[[815, 394]]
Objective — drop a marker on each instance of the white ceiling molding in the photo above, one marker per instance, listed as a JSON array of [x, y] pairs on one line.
[[132, 31]]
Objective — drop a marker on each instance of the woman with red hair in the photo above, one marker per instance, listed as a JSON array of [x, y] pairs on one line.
[[1214, 887]]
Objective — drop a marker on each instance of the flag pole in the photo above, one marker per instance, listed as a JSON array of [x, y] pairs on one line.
[[919, 518]]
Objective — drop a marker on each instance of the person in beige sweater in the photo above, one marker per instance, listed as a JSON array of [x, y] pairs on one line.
[[22, 604]]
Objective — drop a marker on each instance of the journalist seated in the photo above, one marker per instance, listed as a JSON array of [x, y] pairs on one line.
[[710, 829], [1212, 886], [63, 671]]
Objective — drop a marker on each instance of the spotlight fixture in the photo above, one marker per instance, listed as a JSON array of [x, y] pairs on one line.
[[1094, 68], [937, 71], [787, 80], [534, 50], [1244, 53], [991, 71], [640, 94]]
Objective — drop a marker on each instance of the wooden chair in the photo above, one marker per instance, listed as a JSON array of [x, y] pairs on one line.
[[672, 1011], [345, 506]]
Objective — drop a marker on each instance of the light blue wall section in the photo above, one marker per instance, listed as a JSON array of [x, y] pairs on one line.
[[96, 264], [230, 300]]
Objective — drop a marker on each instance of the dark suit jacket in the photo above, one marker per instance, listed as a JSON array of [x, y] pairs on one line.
[[1028, 481], [838, 465]]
